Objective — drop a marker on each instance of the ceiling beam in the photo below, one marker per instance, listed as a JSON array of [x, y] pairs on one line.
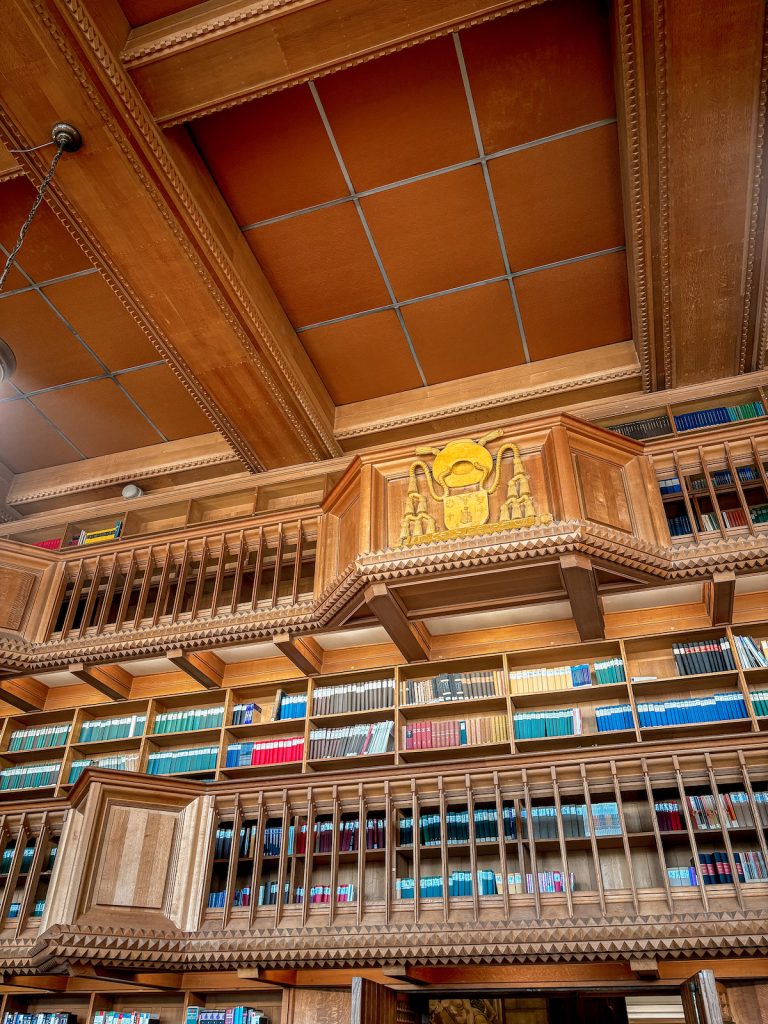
[[111, 680], [581, 586], [410, 638], [302, 651], [204, 667], [693, 184], [24, 693], [146, 211], [217, 55], [719, 595]]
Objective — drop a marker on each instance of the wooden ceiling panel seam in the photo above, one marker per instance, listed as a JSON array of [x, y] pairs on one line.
[[309, 430]]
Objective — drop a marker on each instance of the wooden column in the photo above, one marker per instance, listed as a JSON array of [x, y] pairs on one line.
[[373, 1003], [701, 1001]]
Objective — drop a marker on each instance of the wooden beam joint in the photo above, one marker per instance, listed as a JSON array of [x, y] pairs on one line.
[[581, 587], [719, 596], [111, 680], [645, 967], [410, 638], [303, 651], [205, 667]]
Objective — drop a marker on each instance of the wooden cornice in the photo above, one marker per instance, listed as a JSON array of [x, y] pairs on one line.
[[171, 59], [161, 234]]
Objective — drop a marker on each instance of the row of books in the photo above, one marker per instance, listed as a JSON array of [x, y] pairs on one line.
[[245, 714], [457, 826], [718, 415], [574, 819], [289, 706], [670, 485], [716, 869], [643, 430], [98, 536], [734, 811], [222, 844], [449, 686], [351, 741], [336, 700], [613, 717], [112, 728], [759, 513], [232, 1015], [280, 751], [188, 720], [29, 776], [724, 478], [39, 1018], [125, 1017], [322, 894], [37, 911], [117, 762], [490, 883], [679, 525], [7, 858], [694, 657], [607, 670], [692, 710], [760, 702], [349, 835], [752, 653], [39, 737], [538, 724], [465, 732], [172, 762]]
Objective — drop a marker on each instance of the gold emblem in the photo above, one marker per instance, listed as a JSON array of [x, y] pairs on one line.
[[462, 476]]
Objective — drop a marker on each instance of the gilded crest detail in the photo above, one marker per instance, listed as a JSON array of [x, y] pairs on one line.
[[462, 477]]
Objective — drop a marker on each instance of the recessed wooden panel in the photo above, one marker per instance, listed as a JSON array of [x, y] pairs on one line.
[[323, 1007], [49, 249], [28, 442], [15, 591], [164, 399], [603, 492], [137, 851], [349, 530]]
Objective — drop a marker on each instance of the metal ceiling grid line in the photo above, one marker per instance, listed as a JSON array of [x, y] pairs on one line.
[[425, 175], [489, 189], [49, 281], [55, 428], [107, 372], [82, 380], [367, 230], [569, 260]]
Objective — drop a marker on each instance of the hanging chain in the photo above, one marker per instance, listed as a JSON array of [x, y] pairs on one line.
[[30, 216]]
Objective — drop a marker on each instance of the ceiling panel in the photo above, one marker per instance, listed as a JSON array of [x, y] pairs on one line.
[[465, 333], [49, 250], [560, 200], [271, 156], [165, 400], [540, 71], [98, 417], [363, 358], [101, 320], [28, 442], [320, 264], [435, 234], [577, 306], [401, 116]]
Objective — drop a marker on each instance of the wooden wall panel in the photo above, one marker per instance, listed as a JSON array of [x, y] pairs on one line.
[[136, 841], [16, 591], [318, 1006], [603, 492], [747, 1002]]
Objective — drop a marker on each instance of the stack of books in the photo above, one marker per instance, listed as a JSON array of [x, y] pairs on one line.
[[682, 876], [538, 680], [669, 816], [703, 810], [289, 706], [29, 776], [724, 478], [125, 1017], [671, 485], [322, 894], [337, 700], [679, 525], [537, 724], [760, 702], [98, 536], [643, 430], [112, 728], [173, 762], [7, 859], [39, 737], [733, 517], [117, 762], [268, 894], [245, 714], [233, 1015], [692, 710], [613, 717], [718, 415], [273, 838], [39, 1018], [450, 686], [716, 868], [242, 897], [223, 842], [188, 720], [752, 653], [51, 543], [694, 657], [351, 741], [457, 827], [759, 513], [446, 733], [736, 810], [283, 751]]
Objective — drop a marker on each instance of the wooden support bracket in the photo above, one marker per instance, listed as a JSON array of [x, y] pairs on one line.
[[719, 596], [401, 972], [410, 638], [645, 966], [204, 667], [285, 979], [303, 651], [24, 693], [111, 680], [581, 586]]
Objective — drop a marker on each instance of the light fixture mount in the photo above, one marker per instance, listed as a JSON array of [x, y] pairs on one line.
[[66, 136], [7, 362]]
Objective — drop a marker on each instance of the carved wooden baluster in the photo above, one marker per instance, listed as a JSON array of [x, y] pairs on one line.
[[258, 570], [109, 592], [501, 836], [181, 583], [283, 858], [756, 818], [443, 845], [146, 583], [258, 857], [162, 587], [278, 565], [237, 582], [624, 836], [334, 855], [200, 582], [362, 849], [690, 830], [234, 857], [531, 847], [218, 582], [561, 841], [297, 561], [739, 489], [90, 602], [592, 839], [33, 876], [309, 854], [724, 829], [656, 831], [125, 600], [711, 490], [472, 845], [686, 497], [74, 600]]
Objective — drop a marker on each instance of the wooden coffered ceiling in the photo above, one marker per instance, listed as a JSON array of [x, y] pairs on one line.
[[292, 219]]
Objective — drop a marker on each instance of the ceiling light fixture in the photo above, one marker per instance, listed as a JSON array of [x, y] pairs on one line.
[[66, 139]]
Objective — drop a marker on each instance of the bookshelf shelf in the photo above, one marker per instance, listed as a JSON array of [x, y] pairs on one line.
[[574, 694], [107, 746], [587, 739], [470, 705], [676, 684], [350, 717], [256, 730], [254, 771], [174, 739], [450, 753], [702, 728], [38, 754], [363, 761]]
